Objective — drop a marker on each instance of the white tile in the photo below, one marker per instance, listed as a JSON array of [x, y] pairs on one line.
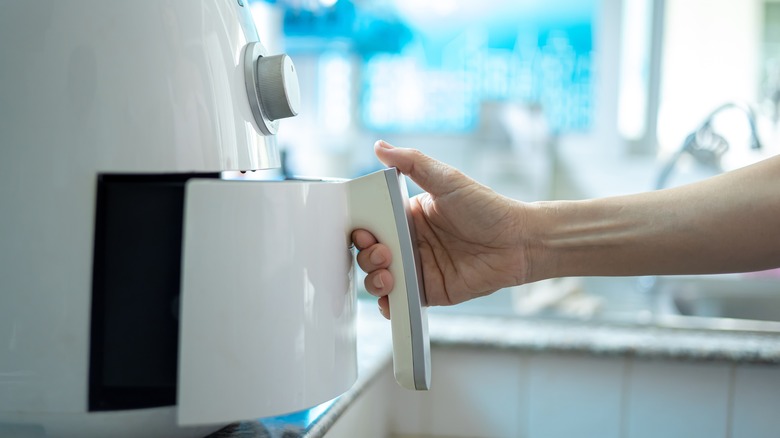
[[756, 404], [575, 396], [410, 414], [476, 393], [672, 399]]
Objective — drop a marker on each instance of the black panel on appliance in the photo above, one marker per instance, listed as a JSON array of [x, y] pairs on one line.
[[135, 290]]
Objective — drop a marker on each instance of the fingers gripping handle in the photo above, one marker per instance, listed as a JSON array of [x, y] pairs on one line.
[[379, 203]]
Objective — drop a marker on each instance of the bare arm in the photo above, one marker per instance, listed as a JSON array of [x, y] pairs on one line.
[[729, 223], [473, 241]]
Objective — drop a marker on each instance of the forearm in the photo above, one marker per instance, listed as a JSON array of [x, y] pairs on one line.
[[729, 223]]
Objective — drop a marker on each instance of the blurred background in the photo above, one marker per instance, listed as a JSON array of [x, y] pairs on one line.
[[537, 99], [558, 99]]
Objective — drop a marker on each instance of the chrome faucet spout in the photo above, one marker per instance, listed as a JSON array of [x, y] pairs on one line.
[[707, 146]]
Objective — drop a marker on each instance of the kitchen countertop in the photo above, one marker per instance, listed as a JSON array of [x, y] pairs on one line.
[[522, 335], [605, 339]]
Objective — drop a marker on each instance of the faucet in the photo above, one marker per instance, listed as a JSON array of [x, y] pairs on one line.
[[707, 146]]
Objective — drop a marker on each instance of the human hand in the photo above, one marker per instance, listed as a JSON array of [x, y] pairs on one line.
[[470, 239]]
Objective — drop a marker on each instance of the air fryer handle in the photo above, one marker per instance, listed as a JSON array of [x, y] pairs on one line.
[[379, 203]]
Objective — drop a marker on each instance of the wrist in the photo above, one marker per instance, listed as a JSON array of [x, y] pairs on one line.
[[606, 237], [541, 260]]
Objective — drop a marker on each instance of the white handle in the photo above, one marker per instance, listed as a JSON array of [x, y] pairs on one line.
[[379, 203]]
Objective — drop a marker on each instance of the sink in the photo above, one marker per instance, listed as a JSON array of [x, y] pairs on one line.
[[728, 302]]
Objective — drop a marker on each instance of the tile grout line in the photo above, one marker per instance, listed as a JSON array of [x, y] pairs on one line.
[[730, 401], [624, 395]]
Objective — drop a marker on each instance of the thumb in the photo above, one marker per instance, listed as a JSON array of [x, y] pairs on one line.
[[431, 175]]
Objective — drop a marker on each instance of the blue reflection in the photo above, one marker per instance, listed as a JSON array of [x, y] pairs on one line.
[[297, 421]]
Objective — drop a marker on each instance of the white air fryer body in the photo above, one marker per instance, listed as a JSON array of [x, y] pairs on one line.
[[93, 95]]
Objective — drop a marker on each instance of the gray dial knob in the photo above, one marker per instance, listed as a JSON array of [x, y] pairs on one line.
[[277, 85], [271, 87]]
